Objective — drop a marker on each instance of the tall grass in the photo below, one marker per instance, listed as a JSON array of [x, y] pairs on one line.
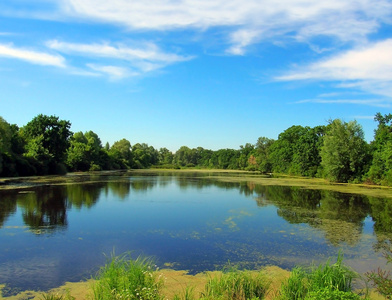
[[238, 285], [328, 281], [124, 278]]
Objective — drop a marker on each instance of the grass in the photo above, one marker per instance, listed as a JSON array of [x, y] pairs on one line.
[[124, 278], [235, 284], [328, 281]]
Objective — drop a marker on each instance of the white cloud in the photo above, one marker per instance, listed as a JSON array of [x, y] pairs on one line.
[[248, 21], [241, 39], [114, 72], [149, 51], [31, 56], [145, 58], [368, 68]]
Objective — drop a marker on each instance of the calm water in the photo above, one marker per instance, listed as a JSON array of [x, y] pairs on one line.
[[53, 234]]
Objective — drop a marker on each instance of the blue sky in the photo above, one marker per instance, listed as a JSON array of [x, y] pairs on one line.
[[210, 73]]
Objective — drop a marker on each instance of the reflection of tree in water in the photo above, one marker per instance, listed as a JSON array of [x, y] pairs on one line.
[[141, 185], [340, 216], [121, 189], [382, 217], [84, 195], [7, 206], [45, 210]]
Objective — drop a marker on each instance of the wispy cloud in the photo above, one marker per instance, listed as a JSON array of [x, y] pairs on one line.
[[145, 58], [32, 56], [113, 72], [148, 51], [248, 21], [368, 68]]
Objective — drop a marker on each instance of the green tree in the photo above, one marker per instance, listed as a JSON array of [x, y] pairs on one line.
[[263, 146], [165, 156], [306, 157], [283, 150], [120, 154], [144, 156], [345, 153], [380, 171], [5, 141], [48, 135]]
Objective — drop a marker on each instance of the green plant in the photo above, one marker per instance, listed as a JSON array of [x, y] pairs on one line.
[[335, 276], [51, 296], [235, 284], [328, 281], [124, 278], [297, 285], [188, 294], [330, 294], [382, 279]]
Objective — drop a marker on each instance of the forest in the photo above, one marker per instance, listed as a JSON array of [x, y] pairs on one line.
[[337, 152]]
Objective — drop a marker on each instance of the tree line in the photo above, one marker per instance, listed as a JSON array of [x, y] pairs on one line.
[[336, 151]]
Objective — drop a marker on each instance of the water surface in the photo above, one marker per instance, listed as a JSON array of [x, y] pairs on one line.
[[52, 234]]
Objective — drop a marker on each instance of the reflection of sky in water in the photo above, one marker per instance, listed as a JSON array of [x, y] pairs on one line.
[[193, 226]]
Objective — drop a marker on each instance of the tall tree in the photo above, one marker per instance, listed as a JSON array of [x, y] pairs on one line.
[[283, 150], [381, 168], [5, 141], [345, 153], [121, 155], [49, 136], [263, 149]]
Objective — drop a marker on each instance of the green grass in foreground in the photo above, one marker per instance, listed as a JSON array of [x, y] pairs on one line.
[[328, 281], [124, 278]]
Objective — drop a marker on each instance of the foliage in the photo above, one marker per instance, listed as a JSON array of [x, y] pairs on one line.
[[338, 151], [329, 294], [47, 135], [85, 152], [124, 278], [331, 280], [381, 168], [235, 284], [297, 151], [382, 279], [120, 154], [344, 152]]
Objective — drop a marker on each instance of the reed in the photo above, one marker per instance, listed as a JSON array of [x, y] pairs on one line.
[[327, 281], [238, 285], [124, 278]]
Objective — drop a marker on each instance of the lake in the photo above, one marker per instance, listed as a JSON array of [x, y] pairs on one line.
[[50, 234]]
